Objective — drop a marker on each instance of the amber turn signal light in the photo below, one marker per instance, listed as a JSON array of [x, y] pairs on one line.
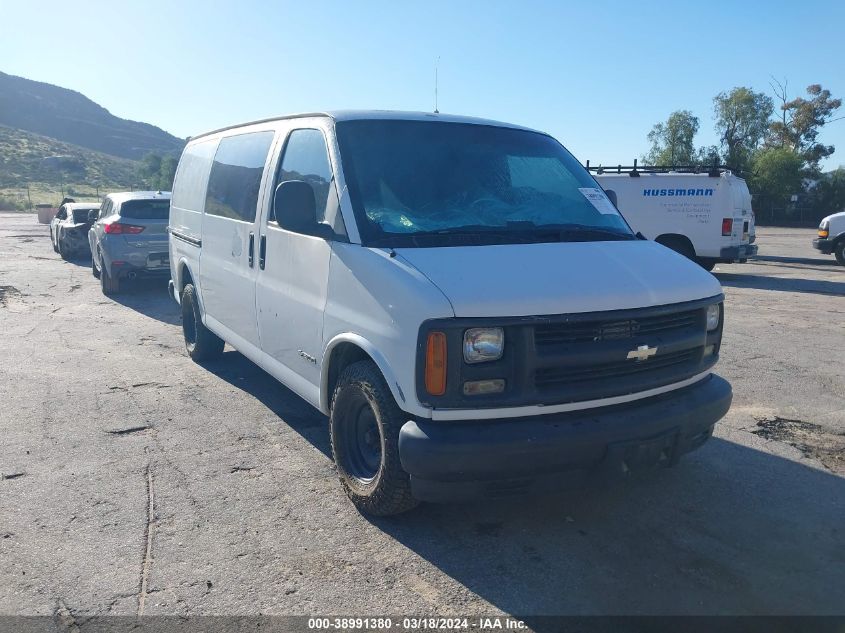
[[823, 233], [435, 364]]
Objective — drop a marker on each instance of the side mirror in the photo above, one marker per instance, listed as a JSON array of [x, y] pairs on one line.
[[612, 195], [92, 215], [295, 209]]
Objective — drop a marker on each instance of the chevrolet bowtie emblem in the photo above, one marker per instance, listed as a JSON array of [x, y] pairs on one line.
[[642, 352]]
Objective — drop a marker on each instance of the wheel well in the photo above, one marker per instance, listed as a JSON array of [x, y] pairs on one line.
[[343, 355], [675, 241], [184, 276]]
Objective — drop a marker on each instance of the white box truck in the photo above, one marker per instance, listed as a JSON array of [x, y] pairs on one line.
[[704, 214]]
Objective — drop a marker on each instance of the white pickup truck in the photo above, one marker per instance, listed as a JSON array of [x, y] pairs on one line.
[[705, 216], [831, 237]]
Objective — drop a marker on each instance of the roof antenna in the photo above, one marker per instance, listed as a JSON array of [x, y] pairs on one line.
[[436, 64]]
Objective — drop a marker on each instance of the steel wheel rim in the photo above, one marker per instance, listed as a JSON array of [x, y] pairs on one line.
[[363, 443]]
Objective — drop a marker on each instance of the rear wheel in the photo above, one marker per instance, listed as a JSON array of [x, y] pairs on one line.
[[109, 284], [61, 250], [839, 251], [365, 423], [201, 343]]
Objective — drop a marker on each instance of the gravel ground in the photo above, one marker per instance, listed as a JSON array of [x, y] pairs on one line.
[[135, 481]]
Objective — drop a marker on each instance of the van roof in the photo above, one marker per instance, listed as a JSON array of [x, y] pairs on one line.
[[122, 196], [393, 115]]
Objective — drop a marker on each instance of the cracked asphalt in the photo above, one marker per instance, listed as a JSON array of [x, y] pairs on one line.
[[135, 481]]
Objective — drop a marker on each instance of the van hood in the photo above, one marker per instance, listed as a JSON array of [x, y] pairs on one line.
[[560, 278]]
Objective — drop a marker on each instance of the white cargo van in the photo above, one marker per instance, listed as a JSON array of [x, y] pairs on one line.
[[705, 216], [831, 237], [457, 295]]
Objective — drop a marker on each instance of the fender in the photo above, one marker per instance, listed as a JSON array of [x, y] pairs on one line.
[[375, 354], [178, 284]]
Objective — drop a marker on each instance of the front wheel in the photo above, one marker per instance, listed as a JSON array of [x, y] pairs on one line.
[[839, 252], [62, 252], [94, 270], [365, 423], [201, 343]]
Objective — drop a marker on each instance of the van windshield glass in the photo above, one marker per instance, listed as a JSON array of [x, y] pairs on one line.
[[145, 209], [420, 183]]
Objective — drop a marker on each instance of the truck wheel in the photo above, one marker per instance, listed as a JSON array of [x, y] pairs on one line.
[[365, 423], [839, 251], [202, 344], [110, 285]]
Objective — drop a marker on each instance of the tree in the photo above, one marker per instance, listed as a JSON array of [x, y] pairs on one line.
[[776, 173], [801, 121], [742, 120], [828, 193], [158, 171], [672, 142]]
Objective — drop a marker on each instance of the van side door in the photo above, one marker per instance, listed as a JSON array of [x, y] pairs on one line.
[[226, 270], [294, 265]]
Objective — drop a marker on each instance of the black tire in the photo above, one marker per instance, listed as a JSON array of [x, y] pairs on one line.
[[202, 344], [109, 284], [364, 423], [706, 263], [62, 253], [839, 252], [94, 270], [53, 242]]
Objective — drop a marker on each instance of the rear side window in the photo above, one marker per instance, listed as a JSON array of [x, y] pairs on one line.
[[145, 209], [236, 175], [192, 176]]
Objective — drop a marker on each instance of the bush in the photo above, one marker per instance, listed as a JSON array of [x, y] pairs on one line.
[[8, 203]]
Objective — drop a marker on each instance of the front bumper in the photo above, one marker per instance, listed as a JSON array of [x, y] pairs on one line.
[[737, 253], [824, 245], [520, 456]]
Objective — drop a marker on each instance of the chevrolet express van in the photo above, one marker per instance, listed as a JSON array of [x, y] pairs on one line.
[[458, 296]]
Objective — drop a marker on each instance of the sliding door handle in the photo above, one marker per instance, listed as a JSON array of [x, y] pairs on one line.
[[251, 248], [262, 251]]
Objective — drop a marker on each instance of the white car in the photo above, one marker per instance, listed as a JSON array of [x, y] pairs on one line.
[[458, 295], [831, 237], [705, 216], [69, 228]]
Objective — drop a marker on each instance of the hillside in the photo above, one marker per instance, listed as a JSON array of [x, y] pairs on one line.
[[27, 157], [71, 117]]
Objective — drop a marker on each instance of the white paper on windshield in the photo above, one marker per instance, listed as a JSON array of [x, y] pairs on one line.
[[599, 200]]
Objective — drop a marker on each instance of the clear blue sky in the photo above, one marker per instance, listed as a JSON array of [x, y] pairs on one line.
[[597, 75]]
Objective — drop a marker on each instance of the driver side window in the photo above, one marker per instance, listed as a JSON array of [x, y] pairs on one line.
[[307, 159]]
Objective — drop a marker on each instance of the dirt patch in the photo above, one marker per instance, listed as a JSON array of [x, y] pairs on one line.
[[9, 294], [811, 439]]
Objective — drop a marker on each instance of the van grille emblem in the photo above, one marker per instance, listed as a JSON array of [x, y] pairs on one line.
[[642, 353]]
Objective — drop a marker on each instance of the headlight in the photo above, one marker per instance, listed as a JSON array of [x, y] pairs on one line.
[[483, 344], [713, 312]]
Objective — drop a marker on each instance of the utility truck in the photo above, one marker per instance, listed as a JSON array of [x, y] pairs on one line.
[[702, 213]]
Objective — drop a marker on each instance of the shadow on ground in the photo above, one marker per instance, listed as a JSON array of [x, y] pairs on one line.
[[730, 530], [782, 284], [150, 298], [240, 372]]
